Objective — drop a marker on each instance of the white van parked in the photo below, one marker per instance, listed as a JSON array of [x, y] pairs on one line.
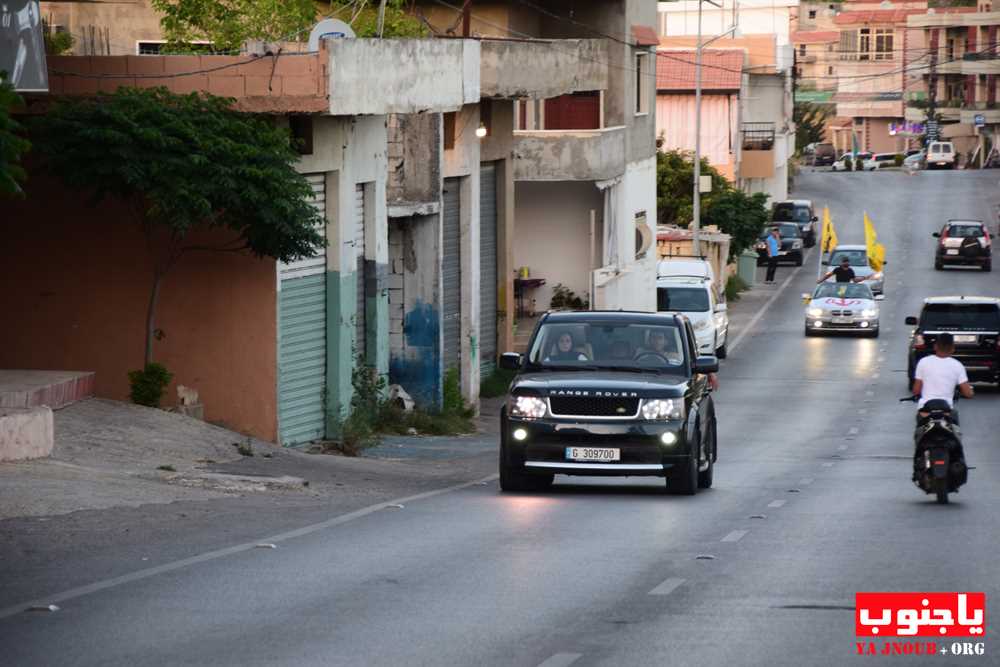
[[941, 154]]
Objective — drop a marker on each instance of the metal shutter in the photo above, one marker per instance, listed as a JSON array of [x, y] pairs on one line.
[[302, 339], [487, 269], [451, 274], [359, 246]]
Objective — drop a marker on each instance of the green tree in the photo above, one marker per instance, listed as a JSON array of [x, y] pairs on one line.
[[184, 164], [740, 215], [736, 213], [12, 144], [675, 186], [810, 123]]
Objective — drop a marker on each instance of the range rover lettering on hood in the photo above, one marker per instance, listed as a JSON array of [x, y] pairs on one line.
[[603, 394]]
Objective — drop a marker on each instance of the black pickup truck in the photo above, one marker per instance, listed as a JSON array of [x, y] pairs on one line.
[[609, 393]]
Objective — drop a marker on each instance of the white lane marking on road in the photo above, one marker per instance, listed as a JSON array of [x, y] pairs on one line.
[[828, 464], [853, 430], [876, 376], [869, 393], [667, 587], [806, 481], [735, 536], [863, 411], [842, 448], [561, 660], [760, 313], [80, 591], [777, 503]]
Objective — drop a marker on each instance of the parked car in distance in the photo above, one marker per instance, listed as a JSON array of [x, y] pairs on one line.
[[695, 298], [885, 159], [964, 242], [941, 155], [840, 307], [857, 255], [974, 321], [799, 211], [630, 396], [824, 155], [868, 164], [791, 243]]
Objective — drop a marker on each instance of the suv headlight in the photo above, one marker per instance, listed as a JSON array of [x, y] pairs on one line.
[[869, 312], [815, 312], [661, 409], [531, 407], [701, 325]]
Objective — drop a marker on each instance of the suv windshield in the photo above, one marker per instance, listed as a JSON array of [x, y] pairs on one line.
[[784, 231], [856, 257], [683, 299], [791, 213], [965, 231], [843, 291], [608, 345], [960, 317]]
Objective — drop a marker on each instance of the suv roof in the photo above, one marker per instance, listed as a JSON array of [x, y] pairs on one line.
[[609, 315], [795, 202], [962, 299], [959, 221], [693, 281]]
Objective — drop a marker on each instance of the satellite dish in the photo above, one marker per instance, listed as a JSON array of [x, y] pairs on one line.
[[328, 29]]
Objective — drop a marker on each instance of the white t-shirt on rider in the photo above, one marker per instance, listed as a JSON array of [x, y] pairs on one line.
[[940, 375]]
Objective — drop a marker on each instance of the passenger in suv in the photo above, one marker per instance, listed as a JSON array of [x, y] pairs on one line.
[[973, 321], [640, 405], [964, 242]]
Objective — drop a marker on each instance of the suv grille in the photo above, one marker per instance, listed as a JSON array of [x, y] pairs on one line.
[[593, 406]]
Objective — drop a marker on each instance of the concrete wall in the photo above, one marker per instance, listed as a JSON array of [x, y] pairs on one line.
[[415, 307], [631, 285], [126, 23], [373, 76], [552, 235], [80, 281], [543, 69], [414, 161], [569, 155]]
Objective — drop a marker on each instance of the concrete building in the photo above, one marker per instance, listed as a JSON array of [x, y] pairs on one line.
[[766, 130], [816, 62], [270, 347], [962, 74], [567, 101]]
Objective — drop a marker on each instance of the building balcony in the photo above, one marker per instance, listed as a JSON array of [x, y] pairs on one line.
[[569, 155], [757, 158], [948, 66], [981, 63], [542, 68], [383, 76]]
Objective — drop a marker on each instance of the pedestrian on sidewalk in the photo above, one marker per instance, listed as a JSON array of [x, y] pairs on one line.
[[773, 251]]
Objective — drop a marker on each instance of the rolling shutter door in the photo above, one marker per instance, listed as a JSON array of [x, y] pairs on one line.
[[487, 269], [302, 339], [451, 270], [359, 245]]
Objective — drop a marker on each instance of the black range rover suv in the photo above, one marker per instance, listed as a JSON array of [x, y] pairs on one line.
[[974, 321], [609, 393]]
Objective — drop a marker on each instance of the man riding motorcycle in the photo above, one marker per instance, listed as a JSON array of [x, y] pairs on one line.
[[937, 377]]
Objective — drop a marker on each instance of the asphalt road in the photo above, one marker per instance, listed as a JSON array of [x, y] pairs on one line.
[[812, 502]]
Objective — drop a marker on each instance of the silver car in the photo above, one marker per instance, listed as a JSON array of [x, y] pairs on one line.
[[835, 307], [857, 255]]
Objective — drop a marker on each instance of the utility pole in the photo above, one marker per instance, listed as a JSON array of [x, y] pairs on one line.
[[696, 194], [932, 89]]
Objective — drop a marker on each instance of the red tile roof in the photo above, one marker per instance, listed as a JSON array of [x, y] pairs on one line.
[[644, 35], [884, 16], [721, 69], [815, 36]]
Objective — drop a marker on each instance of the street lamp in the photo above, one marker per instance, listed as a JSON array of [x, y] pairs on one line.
[[699, 47]]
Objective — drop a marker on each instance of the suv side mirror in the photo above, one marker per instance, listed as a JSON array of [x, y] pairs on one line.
[[936, 235], [912, 321], [706, 364], [511, 361], [814, 219], [721, 307]]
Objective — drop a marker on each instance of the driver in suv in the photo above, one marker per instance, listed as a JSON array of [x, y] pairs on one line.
[[637, 400]]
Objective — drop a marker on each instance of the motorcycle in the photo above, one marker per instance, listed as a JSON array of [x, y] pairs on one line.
[[939, 461]]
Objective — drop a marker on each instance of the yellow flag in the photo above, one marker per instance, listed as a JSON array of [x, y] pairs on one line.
[[876, 251], [829, 237]]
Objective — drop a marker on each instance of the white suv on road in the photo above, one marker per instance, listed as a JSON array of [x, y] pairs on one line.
[[695, 297], [941, 154]]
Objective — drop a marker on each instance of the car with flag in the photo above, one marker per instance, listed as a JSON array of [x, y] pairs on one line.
[[857, 255], [842, 307], [964, 242]]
